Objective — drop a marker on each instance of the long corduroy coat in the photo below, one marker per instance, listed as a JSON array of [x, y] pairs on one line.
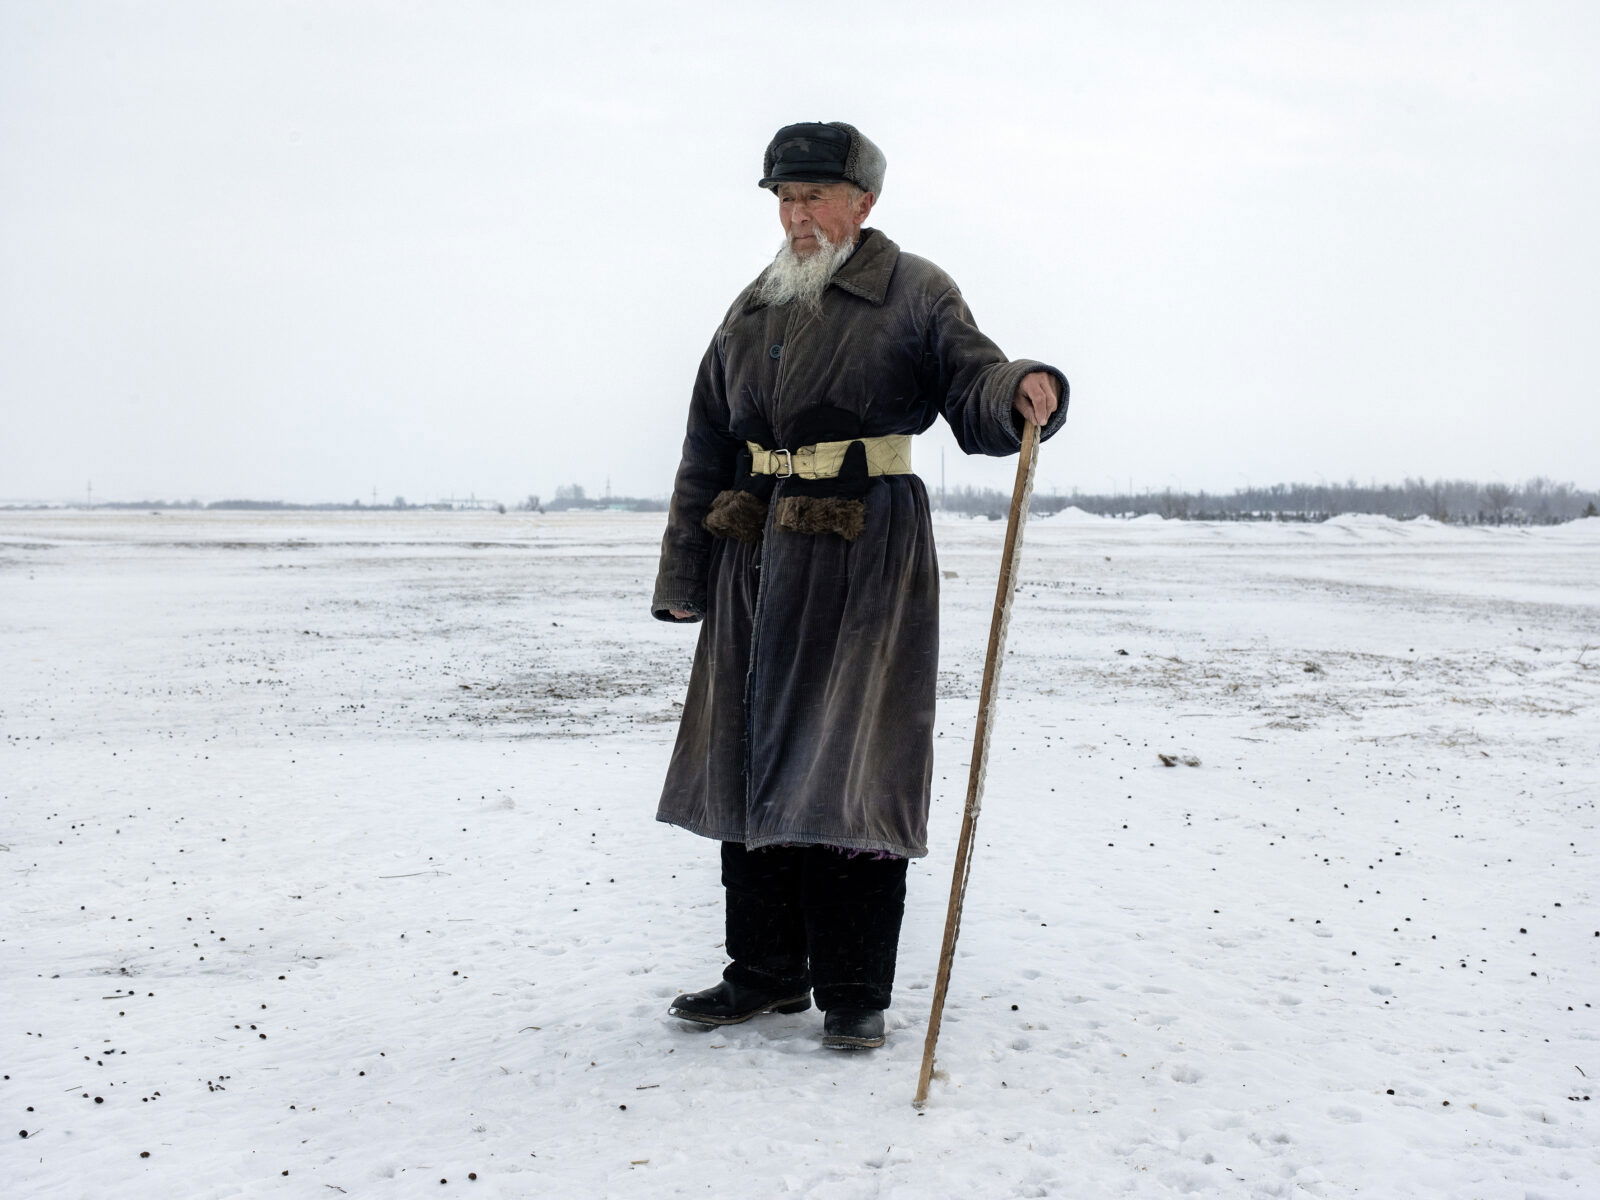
[[809, 714]]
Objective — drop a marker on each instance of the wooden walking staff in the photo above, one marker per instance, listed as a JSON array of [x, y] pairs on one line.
[[980, 742]]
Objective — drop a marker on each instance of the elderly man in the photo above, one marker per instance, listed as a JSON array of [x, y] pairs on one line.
[[801, 539]]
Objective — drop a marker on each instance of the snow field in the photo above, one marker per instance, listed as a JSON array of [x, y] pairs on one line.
[[379, 788]]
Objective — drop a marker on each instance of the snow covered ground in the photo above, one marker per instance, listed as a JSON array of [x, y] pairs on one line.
[[329, 868]]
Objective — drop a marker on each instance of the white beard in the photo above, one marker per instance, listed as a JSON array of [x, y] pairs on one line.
[[792, 278]]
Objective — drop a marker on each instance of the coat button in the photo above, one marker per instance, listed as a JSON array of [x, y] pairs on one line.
[[774, 350]]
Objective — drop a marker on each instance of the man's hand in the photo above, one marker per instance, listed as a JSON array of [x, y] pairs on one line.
[[1038, 396], [680, 614]]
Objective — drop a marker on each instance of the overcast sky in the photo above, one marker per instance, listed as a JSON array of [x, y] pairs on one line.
[[308, 250]]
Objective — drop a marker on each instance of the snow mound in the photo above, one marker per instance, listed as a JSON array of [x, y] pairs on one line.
[[1150, 519], [1073, 513], [1579, 527], [1362, 521]]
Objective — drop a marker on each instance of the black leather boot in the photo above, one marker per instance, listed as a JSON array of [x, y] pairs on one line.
[[730, 1003], [853, 1029]]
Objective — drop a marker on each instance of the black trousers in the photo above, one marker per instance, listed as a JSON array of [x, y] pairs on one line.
[[809, 916]]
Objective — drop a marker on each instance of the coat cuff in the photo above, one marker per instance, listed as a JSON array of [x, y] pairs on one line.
[[661, 608], [1004, 414]]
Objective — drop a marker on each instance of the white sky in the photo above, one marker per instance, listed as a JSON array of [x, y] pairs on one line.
[[305, 250]]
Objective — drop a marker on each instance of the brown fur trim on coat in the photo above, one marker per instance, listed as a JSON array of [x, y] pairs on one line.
[[823, 514], [737, 514]]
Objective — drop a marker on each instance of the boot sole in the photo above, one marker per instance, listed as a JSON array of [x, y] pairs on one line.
[[840, 1041], [794, 1004]]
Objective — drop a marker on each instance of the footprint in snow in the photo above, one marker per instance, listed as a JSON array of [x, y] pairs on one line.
[[1276, 1139]]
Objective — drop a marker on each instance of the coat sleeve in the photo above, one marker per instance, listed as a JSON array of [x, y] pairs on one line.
[[710, 454], [975, 381]]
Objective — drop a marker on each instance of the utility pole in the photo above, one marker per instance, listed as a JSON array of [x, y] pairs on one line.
[[941, 478], [89, 488]]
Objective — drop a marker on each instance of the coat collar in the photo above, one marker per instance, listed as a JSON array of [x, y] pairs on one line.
[[866, 273]]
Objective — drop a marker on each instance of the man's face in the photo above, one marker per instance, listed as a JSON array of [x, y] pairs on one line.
[[805, 208]]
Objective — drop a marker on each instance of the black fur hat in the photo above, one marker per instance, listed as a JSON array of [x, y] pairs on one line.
[[823, 152]]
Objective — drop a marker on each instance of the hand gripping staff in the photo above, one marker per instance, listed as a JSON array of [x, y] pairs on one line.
[[980, 741]]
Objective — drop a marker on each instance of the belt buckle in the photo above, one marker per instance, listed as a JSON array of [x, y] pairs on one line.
[[788, 461]]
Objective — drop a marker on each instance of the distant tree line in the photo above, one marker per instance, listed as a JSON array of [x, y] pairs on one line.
[[398, 504], [1539, 501], [571, 497]]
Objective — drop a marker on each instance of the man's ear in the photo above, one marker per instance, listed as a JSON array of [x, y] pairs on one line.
[[868, 199]]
